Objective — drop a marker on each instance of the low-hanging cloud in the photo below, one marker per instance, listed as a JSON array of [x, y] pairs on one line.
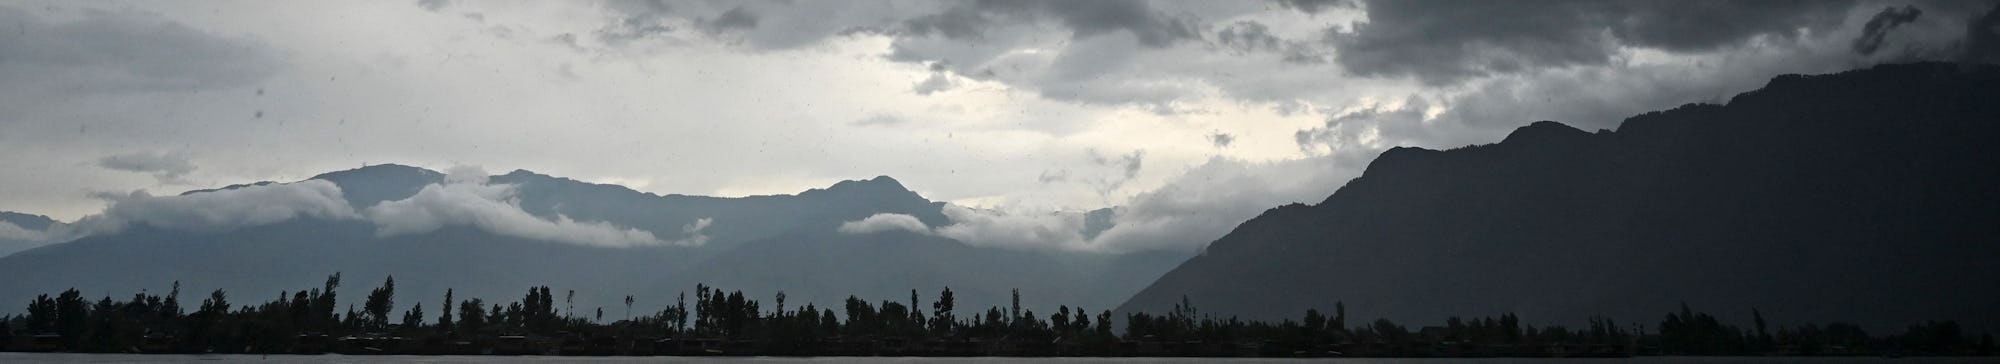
[[220, 210], [884, 222], [1185, 215], [1056, 230], [991, 228], [464, 199], [14, 232], [695, 233], [167, 167], [15, 238], [467, 200]]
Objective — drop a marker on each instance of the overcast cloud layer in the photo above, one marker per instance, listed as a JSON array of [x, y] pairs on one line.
[[1187, 116]]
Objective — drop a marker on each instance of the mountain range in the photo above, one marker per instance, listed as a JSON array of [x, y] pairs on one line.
[[760, 244]]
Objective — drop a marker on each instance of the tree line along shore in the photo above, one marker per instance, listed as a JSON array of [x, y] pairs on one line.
[[715, 322]]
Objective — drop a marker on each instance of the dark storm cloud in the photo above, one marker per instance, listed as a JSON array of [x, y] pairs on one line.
[[119, 51], [1316, 6], [736, 18], [639, 19], [972, 20], [1879, 27], [1982, 38], [167, 167], [1442, 42], [1248, 36]]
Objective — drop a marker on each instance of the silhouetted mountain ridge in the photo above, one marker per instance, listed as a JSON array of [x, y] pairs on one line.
[[1864, 196]]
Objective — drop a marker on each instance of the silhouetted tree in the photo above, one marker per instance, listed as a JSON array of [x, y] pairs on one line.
[[444, 324], [380, 302], [942, 320], [414, 318]]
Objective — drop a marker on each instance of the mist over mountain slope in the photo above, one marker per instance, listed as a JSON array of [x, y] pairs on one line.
[[20, 231], [494, 236], [1868, 196]]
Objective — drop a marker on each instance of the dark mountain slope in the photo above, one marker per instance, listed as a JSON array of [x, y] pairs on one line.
[[1870, 196]]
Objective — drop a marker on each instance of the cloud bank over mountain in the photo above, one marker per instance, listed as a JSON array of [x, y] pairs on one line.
[[222, 210], [465, 198]]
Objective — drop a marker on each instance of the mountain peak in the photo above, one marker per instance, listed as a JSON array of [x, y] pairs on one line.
[[1544, 132], [389, 169], [880, 186], [525, 173], [879, 183]]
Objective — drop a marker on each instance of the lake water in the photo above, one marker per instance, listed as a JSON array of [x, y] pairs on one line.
[[13, 358]]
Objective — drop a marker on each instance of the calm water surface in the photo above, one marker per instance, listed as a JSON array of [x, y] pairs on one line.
[[328, 359]]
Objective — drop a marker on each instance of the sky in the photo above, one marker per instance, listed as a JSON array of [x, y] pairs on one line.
[[1187, 116]]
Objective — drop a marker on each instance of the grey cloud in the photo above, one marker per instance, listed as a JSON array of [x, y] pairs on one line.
[[1127, 165], [751, 23], [938, 82], [1879, 26], [880, 120], [433, 5], [1248, 36], [1085, 19], [639, 19], [124, 51], [1672, 25], [1096, 41], [167, 167], [736, 18], [1443, 42], [1363, 129], [1316, 6], [1221, 140], [1053, 176]]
